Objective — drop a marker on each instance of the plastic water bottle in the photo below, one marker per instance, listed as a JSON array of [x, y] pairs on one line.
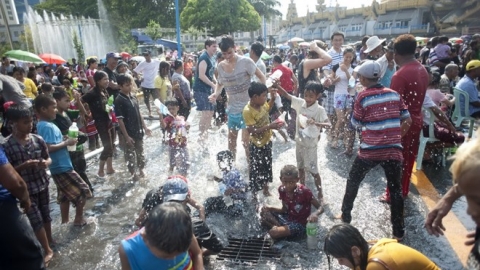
[[351, 82], [72, 134], [312, 241], [273, 77]]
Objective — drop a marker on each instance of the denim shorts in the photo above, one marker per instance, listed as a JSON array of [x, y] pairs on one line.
[[296, 229], [235, 121], [201, 99]]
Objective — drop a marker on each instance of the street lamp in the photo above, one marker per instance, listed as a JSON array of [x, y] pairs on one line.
[[177, 22]]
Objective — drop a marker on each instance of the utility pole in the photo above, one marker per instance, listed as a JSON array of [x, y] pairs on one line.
[[7, 26]]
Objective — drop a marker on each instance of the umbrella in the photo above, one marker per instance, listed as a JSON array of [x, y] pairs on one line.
[[138, 58], [19, 55], [125, 55], [265, 56], [296, 39], [283, 47], [51, 58]]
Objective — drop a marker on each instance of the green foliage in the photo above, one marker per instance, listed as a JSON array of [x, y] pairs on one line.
[[220, 16], [267, 8], [26, 40], [77, 43], [153, 30]]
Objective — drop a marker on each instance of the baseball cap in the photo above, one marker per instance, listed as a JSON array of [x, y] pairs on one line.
[[473, 64], [369, 69], [113, 55], [175, 189]]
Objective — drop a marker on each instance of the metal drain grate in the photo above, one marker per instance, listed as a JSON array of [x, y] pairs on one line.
[[247, 251]]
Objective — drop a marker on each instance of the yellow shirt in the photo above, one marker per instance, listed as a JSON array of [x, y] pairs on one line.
[[397, 256], [162, 84], [30, 88], [258, 119]]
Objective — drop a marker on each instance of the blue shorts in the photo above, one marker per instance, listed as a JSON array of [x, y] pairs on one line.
[[235, 121], [201, 99], [296, 229]]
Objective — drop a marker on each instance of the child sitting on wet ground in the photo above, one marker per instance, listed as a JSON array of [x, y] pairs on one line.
[[177, 129], [232, 187], [166, 242], [311, 118], [290, 220], [175, 189]]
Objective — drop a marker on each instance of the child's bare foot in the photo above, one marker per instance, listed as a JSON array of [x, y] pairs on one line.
[[48, 257], [101, 174], [79, 223], [111, 171], [141, 174]]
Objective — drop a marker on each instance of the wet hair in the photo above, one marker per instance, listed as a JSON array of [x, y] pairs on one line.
[[364, 40], [173, 103], [67, 81], [46, 87], [339, 242], [435, 78], [18, 112], [163, 65], [314, 87], [123, 79], [60, 94], [405, 45], [289, 171], [210, 42], [256, 89], [257, 48], [18, 69], [177, 64], [294, 56], [337, 33], [434, 41], [443, 39], [277, 59], [169, 228], [429, 43], [225, 155], [43, 101], [99, 75], [219, 55], [226, 43], [91, 61]]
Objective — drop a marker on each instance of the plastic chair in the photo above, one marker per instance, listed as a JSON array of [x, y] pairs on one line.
[[459, 115], [428, 139]]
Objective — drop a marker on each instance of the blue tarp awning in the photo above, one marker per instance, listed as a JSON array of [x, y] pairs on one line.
[[172, 45]]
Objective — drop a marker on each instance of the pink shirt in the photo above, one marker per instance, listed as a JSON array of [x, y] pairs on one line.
[[436, 95]]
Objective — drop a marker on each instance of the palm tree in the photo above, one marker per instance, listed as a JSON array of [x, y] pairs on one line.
[[267, 9]]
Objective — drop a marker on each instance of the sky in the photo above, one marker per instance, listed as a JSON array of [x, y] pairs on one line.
[[303, 4]]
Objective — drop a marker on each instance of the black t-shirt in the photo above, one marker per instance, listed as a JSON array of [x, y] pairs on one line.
[[127, 109], [112, 76], [63, 123], [97, 100]]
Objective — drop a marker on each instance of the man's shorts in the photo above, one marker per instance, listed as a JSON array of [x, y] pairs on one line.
[[342, 101], [296, 229], [39, 212], [71, 187], [328, 102], [307, 158], [201, 99], [235, 121]]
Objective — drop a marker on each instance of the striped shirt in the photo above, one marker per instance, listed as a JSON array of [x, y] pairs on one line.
[[379, 112], [337, 58]]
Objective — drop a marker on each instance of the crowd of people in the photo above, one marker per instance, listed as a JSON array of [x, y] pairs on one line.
[[383, 91]]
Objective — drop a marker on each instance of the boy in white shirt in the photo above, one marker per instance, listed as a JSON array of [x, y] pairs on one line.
[[311, 118]]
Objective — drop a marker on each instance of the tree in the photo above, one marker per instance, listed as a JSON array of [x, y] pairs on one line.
[[220, 17], [153, 30], [265, 8], [77, 43]]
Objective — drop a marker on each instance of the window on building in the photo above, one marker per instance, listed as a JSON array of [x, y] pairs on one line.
[[11, 18], [404, 24], [16, 34], [342, 28], [356, 27], [387, 24]]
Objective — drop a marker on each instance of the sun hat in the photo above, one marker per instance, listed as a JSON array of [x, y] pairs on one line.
[[370, 70], [372, 43], [175, 189], [473, 64]]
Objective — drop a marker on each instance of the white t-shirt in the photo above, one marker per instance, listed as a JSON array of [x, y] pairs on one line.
[[316, 112], [288, 64], [341, 87], [260, 65], [149, 71], [427, 103]]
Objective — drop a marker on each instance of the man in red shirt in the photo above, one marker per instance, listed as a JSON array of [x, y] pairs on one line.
[[289, 82], [411, 82]]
